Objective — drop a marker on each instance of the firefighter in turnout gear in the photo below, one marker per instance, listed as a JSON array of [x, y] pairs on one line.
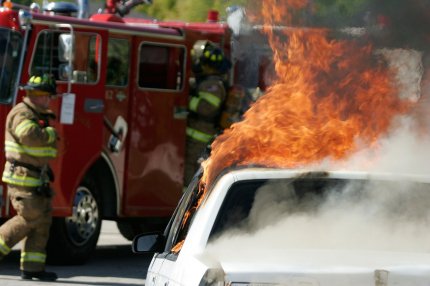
[[30, 143], [207, 98]]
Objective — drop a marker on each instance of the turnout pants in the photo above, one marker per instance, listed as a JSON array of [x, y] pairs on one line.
[[31, 224]]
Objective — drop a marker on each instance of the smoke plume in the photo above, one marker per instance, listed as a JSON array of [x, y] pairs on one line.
[[379, 216]]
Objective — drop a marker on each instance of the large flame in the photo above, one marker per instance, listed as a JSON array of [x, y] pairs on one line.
[[331, 98], [328, 96]]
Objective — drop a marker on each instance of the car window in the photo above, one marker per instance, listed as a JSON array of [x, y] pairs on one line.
[[183, 217], [236, 206], [239, 201], [389, 214]]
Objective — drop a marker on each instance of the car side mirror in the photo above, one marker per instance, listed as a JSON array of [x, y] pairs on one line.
[[148, 242]]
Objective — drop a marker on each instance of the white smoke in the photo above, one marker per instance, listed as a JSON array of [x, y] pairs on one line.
[[382, 216], [407, 66], [236, 20], [402, 151]]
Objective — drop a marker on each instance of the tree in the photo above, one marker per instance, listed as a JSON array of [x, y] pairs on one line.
[[340, 12], [187, 10], [326, 12], [23, 2]]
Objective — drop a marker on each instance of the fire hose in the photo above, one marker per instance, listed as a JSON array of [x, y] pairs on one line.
[[125, 8]]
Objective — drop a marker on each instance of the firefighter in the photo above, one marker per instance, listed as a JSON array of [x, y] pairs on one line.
[[30, 143], [210, 68]]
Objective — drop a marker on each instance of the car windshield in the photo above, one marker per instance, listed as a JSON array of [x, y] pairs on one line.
[[325, 213], [10, 47]]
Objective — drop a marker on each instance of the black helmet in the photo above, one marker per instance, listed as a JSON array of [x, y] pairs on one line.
[[45, 82], [206, 53]]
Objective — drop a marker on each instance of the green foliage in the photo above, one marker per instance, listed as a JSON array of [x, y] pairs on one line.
[[326, 11], [187, 10], [343, 7], [340, 12], [24, 2]]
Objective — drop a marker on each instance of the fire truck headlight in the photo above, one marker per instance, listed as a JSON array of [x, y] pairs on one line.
[[24, 19], [213, 277]]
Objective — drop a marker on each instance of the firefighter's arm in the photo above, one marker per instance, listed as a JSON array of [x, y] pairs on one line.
[[208, 100], [33, 132]]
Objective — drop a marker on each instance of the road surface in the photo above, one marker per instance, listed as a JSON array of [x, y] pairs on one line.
[[113, 263]]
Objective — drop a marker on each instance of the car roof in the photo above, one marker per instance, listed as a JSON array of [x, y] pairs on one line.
[[255, 173], [216, 194]]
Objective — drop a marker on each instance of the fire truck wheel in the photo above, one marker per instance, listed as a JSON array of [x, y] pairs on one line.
[[130, 229], [73, 239]]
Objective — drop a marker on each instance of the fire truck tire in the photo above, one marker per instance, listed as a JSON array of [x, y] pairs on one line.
[[73, 239], [129, 229]]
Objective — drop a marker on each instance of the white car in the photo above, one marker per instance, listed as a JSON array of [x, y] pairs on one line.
[[274, 226]]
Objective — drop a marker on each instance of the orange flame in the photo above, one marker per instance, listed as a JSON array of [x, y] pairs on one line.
[[329, 95]]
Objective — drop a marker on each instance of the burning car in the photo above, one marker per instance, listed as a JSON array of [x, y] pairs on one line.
[[279, 226], [325, 180]]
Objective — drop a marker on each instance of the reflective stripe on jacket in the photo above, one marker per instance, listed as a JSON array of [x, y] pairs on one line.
[[24, 181], [208, 97], [26, 125], [12, 147], [198, 135]]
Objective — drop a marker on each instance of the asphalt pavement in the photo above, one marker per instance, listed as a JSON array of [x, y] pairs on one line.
[[113, 264]]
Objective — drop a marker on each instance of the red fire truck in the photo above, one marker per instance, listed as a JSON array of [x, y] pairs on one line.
[[122, 112]]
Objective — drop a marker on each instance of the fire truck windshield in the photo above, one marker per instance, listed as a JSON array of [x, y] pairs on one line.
[[52, 56], [10, 47]]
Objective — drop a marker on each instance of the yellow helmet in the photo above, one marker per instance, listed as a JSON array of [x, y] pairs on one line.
[[207, 53], [44, 83]]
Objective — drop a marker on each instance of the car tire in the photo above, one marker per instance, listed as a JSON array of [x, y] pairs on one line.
[[73, 239]]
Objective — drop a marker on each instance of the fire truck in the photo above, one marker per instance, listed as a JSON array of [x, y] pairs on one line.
[[122, 109]]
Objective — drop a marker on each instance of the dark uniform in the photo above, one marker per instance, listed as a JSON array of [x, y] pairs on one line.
[[30, 143], [206, 103]]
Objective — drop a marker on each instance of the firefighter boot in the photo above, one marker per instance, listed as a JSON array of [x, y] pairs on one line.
[[41, 275]]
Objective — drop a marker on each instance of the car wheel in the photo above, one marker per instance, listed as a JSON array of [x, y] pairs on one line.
[[73, 239]]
